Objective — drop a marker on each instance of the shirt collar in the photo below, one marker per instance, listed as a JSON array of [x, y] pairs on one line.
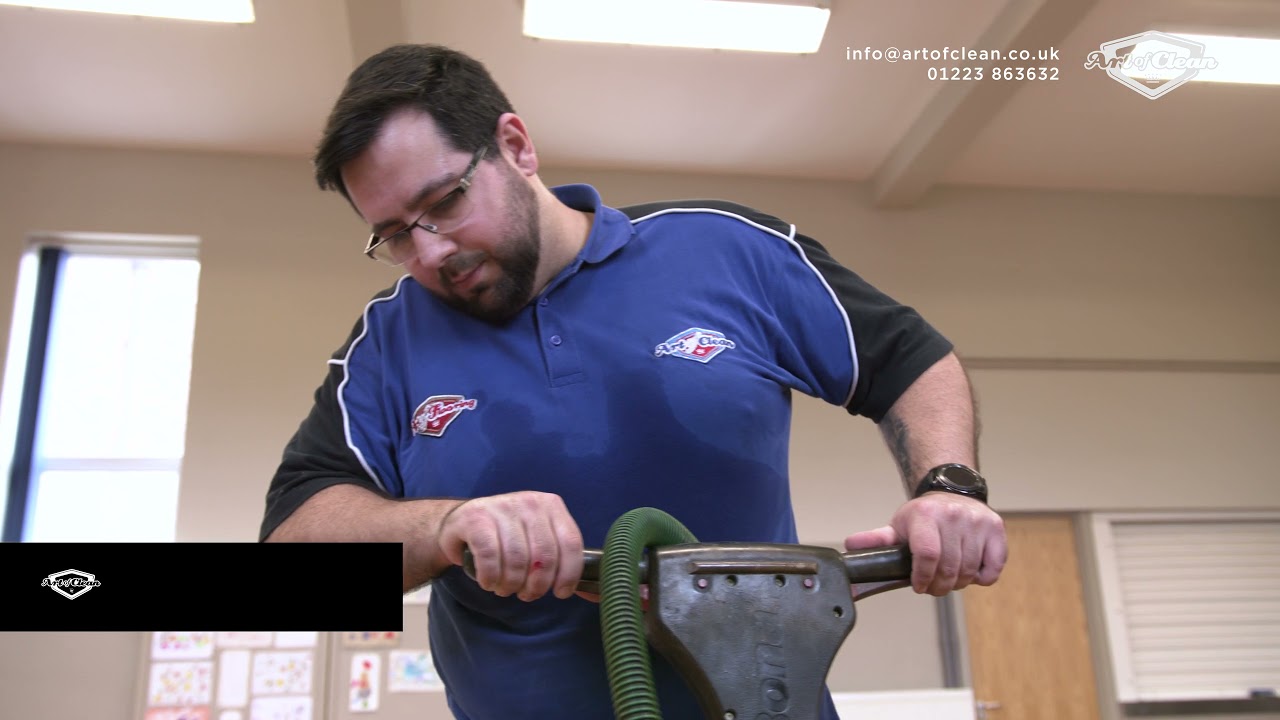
[[610, 229]]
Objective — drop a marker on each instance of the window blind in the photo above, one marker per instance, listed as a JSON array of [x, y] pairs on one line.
[[1192, 604]]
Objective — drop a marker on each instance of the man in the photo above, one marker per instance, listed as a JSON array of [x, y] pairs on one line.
[[549, 363]]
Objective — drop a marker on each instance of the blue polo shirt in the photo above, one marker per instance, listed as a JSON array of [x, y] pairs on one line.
[[655, 370]]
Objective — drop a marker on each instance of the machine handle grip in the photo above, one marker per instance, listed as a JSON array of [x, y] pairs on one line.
[[873, 565]]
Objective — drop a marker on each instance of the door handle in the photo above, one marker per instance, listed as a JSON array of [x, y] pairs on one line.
[[983, 706]]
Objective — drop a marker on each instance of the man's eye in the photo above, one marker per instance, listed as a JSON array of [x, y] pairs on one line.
[[447, 204]]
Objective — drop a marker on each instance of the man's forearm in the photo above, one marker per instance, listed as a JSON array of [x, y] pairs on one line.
[[347, 513], [932, 423]]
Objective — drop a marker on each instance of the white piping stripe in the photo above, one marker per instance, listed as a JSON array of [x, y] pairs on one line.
[[790, 238], [346, 376]]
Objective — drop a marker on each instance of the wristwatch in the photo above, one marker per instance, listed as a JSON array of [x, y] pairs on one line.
[[954, 478]]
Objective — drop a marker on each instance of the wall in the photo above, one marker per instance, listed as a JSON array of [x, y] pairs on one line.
[[1006, 274]]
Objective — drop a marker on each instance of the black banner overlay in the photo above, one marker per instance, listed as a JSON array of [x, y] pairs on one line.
[[201, 586]]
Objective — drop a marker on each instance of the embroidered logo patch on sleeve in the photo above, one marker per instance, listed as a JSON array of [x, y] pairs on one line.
[[435, 413], [695, 344]]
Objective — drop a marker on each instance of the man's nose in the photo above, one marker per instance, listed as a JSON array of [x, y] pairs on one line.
[[432, 248]]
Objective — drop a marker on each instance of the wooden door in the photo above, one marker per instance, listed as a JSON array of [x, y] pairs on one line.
[[1027, 636]]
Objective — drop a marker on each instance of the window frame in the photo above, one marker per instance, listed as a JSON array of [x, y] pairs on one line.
[[24, 376]]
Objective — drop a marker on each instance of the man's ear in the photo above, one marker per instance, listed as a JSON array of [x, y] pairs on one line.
[[515, 144]]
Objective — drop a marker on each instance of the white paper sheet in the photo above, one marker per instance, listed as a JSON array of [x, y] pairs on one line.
[[280, 708], [233, 678]]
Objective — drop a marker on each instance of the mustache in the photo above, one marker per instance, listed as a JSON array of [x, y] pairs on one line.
[[459, 265]]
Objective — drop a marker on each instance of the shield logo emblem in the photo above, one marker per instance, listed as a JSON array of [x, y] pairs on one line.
[[71, 583], [697, 344], [437, 412], [1152, 63]]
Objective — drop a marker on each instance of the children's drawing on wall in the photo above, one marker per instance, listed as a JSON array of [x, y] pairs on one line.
[[281, 673], [370, 639], [366, 669], [181, 645], [180, 684], [412, 671], [257, 676], [197, 713], [244, 639]]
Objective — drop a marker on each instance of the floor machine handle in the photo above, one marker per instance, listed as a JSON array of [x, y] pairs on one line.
[[871, 571]]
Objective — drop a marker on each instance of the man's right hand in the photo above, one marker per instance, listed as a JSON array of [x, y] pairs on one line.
[[523, 543]]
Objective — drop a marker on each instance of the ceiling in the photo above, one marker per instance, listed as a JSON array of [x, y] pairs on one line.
[[266, 88]]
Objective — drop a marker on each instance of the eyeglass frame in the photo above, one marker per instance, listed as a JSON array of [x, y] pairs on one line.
[[464, 184]]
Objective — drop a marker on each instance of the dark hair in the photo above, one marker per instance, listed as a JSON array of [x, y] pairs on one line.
[[455, 89]]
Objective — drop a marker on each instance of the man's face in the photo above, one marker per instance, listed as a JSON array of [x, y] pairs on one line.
[[486, 265]]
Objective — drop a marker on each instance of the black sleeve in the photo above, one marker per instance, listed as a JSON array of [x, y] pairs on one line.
[[894, 344], [318, 456]]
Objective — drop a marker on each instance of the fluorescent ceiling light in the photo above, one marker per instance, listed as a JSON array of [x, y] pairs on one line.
[[1237, 60], [229, 11], [786, 26]]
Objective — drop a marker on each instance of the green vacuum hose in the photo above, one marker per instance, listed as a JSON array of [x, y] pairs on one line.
[[621, 618]]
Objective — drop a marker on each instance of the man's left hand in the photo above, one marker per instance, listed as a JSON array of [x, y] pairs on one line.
[[955, 541]]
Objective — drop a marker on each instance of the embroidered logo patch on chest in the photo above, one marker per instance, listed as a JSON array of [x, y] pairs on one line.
[[436, 413], [695, 344]]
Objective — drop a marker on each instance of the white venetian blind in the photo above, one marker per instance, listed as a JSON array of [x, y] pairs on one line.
[[1192, 604]]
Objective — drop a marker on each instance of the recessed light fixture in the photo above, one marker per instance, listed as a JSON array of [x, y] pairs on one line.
[[783, 26], [1227, 59], [1240, 59], [228, 11]]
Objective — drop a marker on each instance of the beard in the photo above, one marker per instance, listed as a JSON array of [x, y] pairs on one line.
[[498, 301]]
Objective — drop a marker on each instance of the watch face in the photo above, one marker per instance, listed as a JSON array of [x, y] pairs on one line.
[[959, 476]]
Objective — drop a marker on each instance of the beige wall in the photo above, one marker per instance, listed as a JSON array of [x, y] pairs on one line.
[[1006, 274]]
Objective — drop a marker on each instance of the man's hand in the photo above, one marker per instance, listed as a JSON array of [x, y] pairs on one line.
[[524, 543], [955, 541]]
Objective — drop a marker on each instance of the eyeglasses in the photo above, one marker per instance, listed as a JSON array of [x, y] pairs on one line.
[[444, 216]]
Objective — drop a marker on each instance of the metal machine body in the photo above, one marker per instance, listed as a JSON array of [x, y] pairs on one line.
[[753, 627]]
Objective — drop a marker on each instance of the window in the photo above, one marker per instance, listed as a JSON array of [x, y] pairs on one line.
[[1190, 604], [96, 387]]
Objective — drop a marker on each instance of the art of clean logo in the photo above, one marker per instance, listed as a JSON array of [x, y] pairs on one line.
[[435, 413], [71, 583], [695, 344], [1152, 63]]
